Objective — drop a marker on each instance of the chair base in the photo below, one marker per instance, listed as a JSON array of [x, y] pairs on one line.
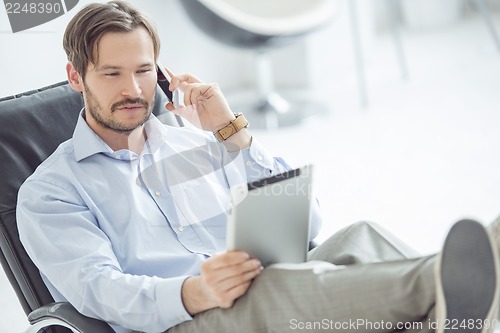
[[277, 110]]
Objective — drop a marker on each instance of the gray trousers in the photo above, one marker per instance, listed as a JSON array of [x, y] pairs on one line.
[[362, 279]]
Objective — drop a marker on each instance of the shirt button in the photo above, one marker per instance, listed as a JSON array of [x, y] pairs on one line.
[[249, 163], [181, 228], [118, 157], [260, 157], [182, 318], [157, 192]]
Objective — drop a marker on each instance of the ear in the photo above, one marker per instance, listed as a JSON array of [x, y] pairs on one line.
[[74, 78]]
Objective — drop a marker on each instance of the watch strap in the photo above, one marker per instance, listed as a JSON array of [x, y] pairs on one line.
[[232, 128]]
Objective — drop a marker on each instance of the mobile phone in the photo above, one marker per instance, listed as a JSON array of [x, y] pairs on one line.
[[164, 81]]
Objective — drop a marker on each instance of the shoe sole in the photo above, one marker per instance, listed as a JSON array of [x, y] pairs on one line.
[[466, 280]]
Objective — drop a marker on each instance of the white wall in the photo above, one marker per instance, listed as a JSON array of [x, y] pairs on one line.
[[30, 59]]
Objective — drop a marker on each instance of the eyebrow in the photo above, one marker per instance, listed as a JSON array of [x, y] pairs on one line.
[[110, 67]]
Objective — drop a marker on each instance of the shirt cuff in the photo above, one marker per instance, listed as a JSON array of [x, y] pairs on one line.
[[259, 163], [169, 301]]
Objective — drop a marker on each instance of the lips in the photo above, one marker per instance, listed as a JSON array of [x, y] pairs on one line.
[[131, 106]]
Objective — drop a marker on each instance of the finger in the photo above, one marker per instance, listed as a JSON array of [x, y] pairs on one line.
[[184, 77], [170, 72], [192, 92], [189, 113], [236, 280], [187, 90], [225, 278], [239, 289], [233, 294], [226, 259], [170, 106]]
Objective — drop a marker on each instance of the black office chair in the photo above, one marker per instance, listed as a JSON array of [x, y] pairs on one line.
[[33, 124]]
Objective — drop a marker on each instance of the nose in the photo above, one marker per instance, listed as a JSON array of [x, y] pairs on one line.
[[132, 87]]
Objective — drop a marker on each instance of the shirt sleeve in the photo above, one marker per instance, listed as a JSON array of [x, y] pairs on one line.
[[259, 163], [63, 239]]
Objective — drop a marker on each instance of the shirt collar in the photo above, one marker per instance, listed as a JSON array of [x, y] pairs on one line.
[[87, 143], [156, 133]]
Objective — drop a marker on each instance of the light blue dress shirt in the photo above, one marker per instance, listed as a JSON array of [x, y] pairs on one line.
[[116, 233]]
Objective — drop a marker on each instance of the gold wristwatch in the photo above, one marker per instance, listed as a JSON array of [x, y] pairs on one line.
[[233, 127]]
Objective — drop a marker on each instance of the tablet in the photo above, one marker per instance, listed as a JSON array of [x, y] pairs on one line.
[[270, 218]]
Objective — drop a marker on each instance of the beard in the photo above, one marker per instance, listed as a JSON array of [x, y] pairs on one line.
[[110, 122]]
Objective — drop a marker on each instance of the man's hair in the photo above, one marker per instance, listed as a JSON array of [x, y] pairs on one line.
[[86, 29]]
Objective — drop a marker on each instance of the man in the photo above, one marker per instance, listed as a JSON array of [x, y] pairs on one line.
[[130, 234]]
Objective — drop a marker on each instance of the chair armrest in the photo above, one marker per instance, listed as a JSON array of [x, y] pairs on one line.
[[64, 314]]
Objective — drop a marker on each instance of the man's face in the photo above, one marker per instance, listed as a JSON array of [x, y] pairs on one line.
[[119, 89]]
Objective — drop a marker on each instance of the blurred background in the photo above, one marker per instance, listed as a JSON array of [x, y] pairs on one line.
[[400, 98]]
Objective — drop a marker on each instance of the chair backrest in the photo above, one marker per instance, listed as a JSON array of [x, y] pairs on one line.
[[277, 17], [259, 23], [32, 125]]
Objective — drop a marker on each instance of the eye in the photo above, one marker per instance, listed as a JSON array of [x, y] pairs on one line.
[[112, 74], [143, 71]]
